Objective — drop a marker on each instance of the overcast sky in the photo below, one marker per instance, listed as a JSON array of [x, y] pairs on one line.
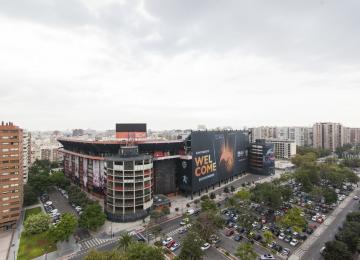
[[176, 64]]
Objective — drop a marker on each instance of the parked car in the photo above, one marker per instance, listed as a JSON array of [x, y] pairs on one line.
[[170, 244], [287, 239], [281, 236], [182, 230], [238, 238], [267, 257], [229, 232], [205, 246], [285, 251], [294, 242], [167, 241], [174, 247]]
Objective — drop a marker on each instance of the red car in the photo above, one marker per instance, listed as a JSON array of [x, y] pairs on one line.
[[229, 232], [169, 245]]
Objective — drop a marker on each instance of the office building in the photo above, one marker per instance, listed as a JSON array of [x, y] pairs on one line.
[[11, 175]]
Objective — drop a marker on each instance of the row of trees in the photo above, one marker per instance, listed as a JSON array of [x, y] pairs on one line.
[[129, 249], [347, 240]]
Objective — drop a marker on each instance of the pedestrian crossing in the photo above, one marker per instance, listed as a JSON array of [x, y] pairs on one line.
[[176, 231], [94, 242]]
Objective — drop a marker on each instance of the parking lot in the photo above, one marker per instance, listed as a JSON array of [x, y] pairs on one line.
[[285, 241], [55, 204], [60, 202]]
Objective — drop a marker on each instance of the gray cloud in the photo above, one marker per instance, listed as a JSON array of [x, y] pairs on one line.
[[175, 63]]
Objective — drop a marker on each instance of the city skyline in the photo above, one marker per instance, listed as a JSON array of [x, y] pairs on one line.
[[224, 64]]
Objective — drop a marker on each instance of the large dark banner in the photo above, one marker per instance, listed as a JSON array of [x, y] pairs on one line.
[[269, 158], [217, 156]]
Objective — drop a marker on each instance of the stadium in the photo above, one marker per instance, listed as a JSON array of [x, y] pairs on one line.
[[128, 171]]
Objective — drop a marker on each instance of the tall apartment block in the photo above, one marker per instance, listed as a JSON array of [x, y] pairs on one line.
[[11, 175], [26, 154], [328, 135]]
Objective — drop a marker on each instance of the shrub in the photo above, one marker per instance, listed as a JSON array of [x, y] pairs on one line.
[[204, 197]]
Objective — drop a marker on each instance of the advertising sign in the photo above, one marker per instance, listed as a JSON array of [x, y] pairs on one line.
[[217, 156]]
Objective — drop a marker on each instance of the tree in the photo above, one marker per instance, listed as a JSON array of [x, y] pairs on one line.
[[301, 160], [191, 248], [353, 216], [349, 234], [267, 193], [316, 194], [226, 189], [286, 192], [212, 195], [330, 195], [92, 217], [204, 197], [293, 219], [142, 251], [208, 223], [208, 205], [165, 210], [245, 251], [268, 236], [232, 188], [231, 202], [243, 195], [64, 228], [58, 178], [30, 196], [125, 241], [36, 224], [335, 250]]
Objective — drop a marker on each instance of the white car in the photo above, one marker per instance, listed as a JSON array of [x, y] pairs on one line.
[[190, 211], [174, 247], [281, 236], [294, 242], [356, 197], [267, 257], [205, 246], [314, 218], [48, 203], [167, 241]]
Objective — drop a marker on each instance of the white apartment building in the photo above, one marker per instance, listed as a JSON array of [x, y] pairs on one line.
[[301, 135], [284, 149], [328, 135]]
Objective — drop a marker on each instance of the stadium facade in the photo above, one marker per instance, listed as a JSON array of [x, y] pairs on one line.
[[128, 171]]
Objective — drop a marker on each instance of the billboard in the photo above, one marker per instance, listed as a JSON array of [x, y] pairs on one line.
[[269, 158], [217, 155], [131, 131]]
